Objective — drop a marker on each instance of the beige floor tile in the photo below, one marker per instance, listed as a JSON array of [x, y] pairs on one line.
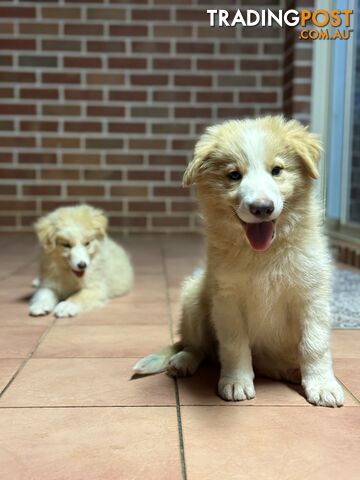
[[265, 443], [346, 343], [348, 372], [17, 342], [201, 389], [17, 314], [86, 382], [8, 367], [89, 444], [117, 312], [103, 341]]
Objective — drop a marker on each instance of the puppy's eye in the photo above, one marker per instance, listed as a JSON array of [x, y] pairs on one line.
[[87, 244], [66, 245], [235, 175], [276, 171]]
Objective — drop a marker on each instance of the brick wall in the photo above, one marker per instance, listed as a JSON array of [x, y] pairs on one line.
[[102, 101]]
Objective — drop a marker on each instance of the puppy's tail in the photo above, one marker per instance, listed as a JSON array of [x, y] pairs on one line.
[[157, 362]]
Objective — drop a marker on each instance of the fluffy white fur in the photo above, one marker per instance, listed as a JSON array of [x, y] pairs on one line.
[[80, 266], [264, 309]]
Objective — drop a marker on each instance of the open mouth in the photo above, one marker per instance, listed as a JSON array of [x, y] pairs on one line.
[[79, 273], [259, 235]]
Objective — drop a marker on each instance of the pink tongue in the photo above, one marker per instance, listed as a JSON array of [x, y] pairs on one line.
[[260, 234]]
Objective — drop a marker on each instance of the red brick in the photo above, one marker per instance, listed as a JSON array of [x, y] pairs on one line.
[[6, 28], [257, 97], [18, 205], [60, 142], [39, 93], [129, 191], [149, 112], [9, 173], [6, 157], [128, 95], [61, 45], [192, 112], [60, 78], [103, 174], [83, 94], [150, 47], [106, 14], [39, 28], [80, 159], [24, 77], [147, 206], [83, 127], [17, 44], [83, 29], [153, 14], [127, 127], [183, 206], [105, 46], [170, 221], [6, 60], [105, 111], [37, 158], [217, 96], [171, 63], [61, 13], [17, 12], [104, 79], [191, 47], [17, 109], [6, 125], [147, 79], [104, 143], [127, 62], [173, 31], [6, 93], [59, 174], [168, 160], [81, 190], [171, 96], [239, 48], [178, 128], [45, 190], [82, 62], [215, 64], [7, 189], [170, 192], [235, 112], [272, 80], [192, 15], [128, 221], [193, 80], [7, 221], [125, 159], [147, 175], [260, 64], [129, 30], [61, 110], [38, 126], [183, 144]]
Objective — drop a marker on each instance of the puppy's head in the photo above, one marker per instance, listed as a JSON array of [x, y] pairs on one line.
[[254, 172], [72, 235]]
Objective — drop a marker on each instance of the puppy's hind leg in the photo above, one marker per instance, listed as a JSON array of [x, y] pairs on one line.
[[194, 328]]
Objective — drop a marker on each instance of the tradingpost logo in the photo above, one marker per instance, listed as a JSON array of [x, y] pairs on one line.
[[318, 24]]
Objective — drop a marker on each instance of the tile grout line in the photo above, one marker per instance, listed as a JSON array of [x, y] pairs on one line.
[[177, 396], [348, 390], [29, 356]]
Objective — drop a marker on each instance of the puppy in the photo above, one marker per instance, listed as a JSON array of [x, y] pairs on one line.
[[263, 298], [80, 266]]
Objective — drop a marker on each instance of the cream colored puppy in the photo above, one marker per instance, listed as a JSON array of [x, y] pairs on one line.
[[80, 266], [263, 298]]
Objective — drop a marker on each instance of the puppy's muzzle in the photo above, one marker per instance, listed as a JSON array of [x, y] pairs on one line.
[[262, 209]]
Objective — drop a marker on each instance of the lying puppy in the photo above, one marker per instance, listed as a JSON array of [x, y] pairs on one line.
[[80, 266], [264, 295]]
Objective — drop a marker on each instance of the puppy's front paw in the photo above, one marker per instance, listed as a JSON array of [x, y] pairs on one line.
[[236, 389], [39, 309], [66, 309], [325, 393]]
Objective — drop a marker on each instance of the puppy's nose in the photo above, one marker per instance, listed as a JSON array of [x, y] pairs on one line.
[[262, 208], [82, 265]]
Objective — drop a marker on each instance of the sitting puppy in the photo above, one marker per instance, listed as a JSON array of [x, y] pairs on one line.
[[263, 298], [80, 266]]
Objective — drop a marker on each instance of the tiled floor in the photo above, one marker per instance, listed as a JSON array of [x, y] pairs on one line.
[[69, 408]]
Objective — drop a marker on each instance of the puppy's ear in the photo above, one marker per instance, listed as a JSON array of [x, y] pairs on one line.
[[204, 147], [99, 221], [46, 233], [306, 146]]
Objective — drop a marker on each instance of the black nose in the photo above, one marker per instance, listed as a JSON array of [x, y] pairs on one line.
[[81, 265], [262, 208]]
